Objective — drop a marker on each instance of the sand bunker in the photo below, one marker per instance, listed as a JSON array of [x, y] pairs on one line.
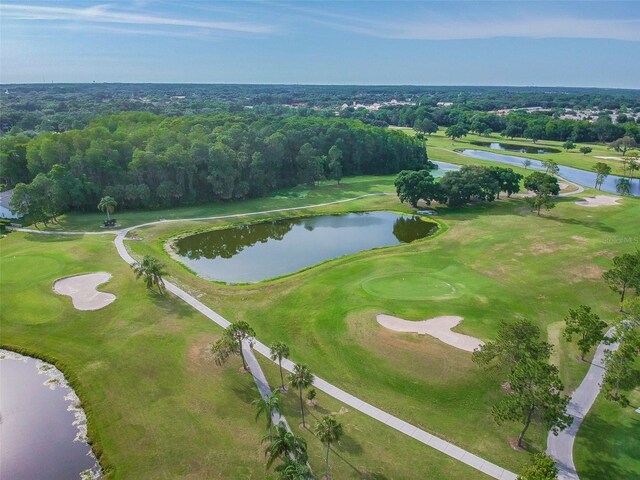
[[608, 158], [598, 201], [82, 290], [438, 327]]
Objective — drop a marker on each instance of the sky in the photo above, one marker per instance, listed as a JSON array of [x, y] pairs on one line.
[[519, 43]]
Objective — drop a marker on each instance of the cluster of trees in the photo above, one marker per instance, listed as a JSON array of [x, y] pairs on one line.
[[145, 160], [538, 126], [32, 109], [282, 444], [521, 357], [457, 187]]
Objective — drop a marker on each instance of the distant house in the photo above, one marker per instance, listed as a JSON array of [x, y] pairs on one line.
[[5, 198]]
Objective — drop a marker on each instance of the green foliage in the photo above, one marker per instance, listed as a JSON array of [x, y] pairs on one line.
[[535, 384], [456, 131], [542, 467], [584, 150], [540, 182], [620, 374], [231, 342], [285, 445], [152, 270], [268, 406], [412, 186], [602, 172], [145, 160], [329, 431], [301, 378], [625, 273], [587, 325], [551, 167], [107, 204], [279, 351]]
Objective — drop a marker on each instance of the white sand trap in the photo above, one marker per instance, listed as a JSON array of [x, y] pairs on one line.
[[598, 201], [82, 290], [608, 158], [438, 327]]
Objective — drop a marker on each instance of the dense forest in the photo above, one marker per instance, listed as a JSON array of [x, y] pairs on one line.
[[147, 160], [32, 109]]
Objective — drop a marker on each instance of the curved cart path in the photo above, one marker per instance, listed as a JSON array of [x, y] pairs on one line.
[[560, 447], [396, 423]]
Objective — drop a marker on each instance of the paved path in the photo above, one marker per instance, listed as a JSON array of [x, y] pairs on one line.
[[422, 436], [560, 447], [401, 426]]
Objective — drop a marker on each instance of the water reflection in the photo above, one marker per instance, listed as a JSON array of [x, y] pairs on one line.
[[43, 429], [512, 147], [251, 253]]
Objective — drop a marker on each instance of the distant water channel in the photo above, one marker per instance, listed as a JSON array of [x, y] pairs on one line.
[[256, 252], [581, 177], [512, 147], [42, 427]]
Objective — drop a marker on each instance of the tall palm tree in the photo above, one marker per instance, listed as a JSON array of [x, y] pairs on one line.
[[152, 270], [279, 351], [231, 342], [301, 378], [284, 444], [107, 204], [328, 430], [269, 405]]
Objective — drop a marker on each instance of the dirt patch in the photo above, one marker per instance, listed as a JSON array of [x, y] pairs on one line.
[[83, 290], [598, 201], [579, 239], [578, 273], [438, 327]]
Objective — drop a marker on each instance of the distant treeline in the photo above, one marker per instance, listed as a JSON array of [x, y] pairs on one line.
[[32, 109], [146, 160]]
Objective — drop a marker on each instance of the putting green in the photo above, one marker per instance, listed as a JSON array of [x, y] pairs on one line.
[[408, 286], [26, 269]]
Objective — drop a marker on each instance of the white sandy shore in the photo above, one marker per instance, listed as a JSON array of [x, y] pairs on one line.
[[438, 327], [598, 201], [82, 290]]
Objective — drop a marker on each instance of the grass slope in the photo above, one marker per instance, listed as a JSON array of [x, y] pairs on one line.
[[501, 262]]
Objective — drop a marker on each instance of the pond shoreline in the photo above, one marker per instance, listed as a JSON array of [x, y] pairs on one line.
[[66, 396]]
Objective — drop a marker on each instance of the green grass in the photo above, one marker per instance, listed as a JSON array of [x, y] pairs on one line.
[[159, 409], [299, 196], [388, 453], [500, 263], [157, 406], [609, 441], [440, 147]]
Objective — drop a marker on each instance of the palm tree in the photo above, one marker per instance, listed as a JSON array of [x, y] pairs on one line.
[[328, 430], [107, 204], [301, 377], [231, 342], [294, 470], [284, 444], [279, 351], [152, 270], [268, 405]]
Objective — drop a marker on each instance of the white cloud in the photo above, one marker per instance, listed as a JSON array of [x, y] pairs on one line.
[[104, 14]]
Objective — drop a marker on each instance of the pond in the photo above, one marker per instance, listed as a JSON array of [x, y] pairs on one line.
[[512, 147], [255, 252], [581, 177], [42, 428]]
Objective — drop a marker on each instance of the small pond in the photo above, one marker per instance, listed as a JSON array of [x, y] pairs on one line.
[[259, 251], [576, 175], [42, 427], [512, 147]]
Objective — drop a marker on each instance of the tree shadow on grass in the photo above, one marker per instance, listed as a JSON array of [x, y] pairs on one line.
[[247, 392], [596, 466]]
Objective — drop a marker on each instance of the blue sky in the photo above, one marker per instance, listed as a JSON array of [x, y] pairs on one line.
[[513, 42]]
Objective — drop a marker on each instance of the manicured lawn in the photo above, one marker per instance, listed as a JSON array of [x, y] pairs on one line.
[[573, 158], [609, 441], [157, 406], [302, 195], [496, 262]]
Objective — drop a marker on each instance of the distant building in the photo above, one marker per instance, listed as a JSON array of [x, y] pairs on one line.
[[5, 198]]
